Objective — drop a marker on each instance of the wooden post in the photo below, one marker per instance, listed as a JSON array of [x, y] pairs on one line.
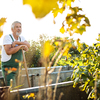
[[25, 65]]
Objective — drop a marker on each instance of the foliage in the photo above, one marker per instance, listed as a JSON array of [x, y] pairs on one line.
[[73, 51], [75, 21], [89, 76], [33, 55], [2, 21], [40, 50], [42, 7]]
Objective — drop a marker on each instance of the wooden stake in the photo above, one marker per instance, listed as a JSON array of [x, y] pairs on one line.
[[25, 65]]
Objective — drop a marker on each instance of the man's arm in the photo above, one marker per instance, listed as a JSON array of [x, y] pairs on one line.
[[11, 50], [20, 43]]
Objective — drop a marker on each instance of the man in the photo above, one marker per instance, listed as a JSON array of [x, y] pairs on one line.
[[11, 50]]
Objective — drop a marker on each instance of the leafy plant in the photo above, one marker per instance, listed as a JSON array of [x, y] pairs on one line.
[[89, 76], [33, 55]]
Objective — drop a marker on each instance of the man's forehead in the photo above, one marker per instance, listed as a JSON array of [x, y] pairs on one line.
[[17, 24]]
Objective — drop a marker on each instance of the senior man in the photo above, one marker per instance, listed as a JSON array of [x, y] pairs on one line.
[[11, 50]]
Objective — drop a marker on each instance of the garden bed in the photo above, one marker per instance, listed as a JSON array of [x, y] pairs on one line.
[[69, 93]]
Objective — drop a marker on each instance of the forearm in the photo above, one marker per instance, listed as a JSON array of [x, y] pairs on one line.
[[13, 50], [22, 43]]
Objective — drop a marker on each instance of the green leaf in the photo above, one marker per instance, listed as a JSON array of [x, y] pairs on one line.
[[88, 66], [75, 9], [90, 94], [81, 87], [87, 89], [84, 77], [91, 83], [82, 29], [76, 80], [81, 69], [77, 71], [86, 73], [72, 61], [87, 21]]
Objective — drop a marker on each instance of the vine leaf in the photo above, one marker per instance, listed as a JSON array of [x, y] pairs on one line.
[[41, 8]]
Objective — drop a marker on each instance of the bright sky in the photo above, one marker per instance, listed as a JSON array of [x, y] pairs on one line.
[[31, 27]]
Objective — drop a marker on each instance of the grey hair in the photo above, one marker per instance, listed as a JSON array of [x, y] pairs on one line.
[[13, 24]]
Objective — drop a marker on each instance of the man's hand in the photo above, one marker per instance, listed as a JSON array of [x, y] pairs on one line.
[[14, 44], [24, 47]]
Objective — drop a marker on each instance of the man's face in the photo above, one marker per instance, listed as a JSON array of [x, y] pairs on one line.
[[17, 29]]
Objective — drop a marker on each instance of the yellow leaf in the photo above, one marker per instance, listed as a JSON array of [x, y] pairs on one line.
[[68, 2], [1, 33], [69, 55], [74, 85], [97, 45], [9, 71], [41, 7], [76, 58], [55, 13], [69, 31], [32, 94], [28, 96], [78, 41], [62, 30], [2, 21], [54, 21], [57, 43], [79, 18], [69, 20], [47, 49], [61, 10], [67, 49], [25, 96], [98, 35]]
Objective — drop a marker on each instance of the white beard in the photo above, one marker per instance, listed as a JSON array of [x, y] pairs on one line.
[[18, 33]]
